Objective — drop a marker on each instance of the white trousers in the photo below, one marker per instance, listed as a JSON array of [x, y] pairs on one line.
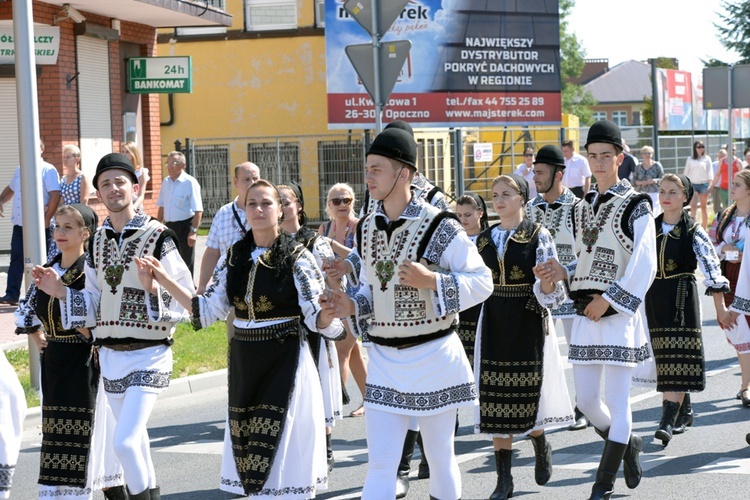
[[385, 442], [613, 412]]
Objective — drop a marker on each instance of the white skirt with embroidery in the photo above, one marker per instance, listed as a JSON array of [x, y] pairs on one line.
[[739, 336], [330, 381], [423, 380], [104, 468], [12, 411], [300, 466], [147, 370]]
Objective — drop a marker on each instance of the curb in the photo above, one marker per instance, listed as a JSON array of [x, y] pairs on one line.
[[177, 387]]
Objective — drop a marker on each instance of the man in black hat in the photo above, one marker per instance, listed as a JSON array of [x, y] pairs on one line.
[[419, 269], [615, 266], [134, 326], [554, 208]]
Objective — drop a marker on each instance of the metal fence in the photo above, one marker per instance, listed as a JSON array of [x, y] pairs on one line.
[[317, 162]]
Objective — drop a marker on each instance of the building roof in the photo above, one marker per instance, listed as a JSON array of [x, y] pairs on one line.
[[629, 81]]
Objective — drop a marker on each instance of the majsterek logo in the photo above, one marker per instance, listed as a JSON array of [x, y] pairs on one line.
[[412, 12]]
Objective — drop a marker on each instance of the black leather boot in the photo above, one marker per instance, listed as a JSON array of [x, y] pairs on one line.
[[155, 493], [404, 467], [424, 467], [581, 421], [669, 414], [329, 453], [143, 495], [504, 488], [609, 464], [115, 493], [685, 417], [631, 463], [543, 454]]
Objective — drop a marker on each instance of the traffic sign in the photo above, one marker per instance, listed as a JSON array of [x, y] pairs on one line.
[[391, 56], [387, 12], [160, 75], [716, 90]]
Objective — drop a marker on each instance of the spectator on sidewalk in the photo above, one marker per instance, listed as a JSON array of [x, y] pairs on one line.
[[50, 198], [181, 207], [577, 176]]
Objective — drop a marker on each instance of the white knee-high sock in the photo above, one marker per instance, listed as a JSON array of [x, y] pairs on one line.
[[385, 442]]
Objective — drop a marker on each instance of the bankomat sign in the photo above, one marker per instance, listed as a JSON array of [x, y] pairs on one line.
[[160, 75]]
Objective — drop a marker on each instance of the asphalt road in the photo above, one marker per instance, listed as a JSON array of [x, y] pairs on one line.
[[711, 460]]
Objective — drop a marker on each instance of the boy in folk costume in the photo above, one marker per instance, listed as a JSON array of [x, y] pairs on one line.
[[419, 270], [616, 264], [133, 326]]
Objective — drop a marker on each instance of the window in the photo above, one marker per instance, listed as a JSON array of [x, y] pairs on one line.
[[600, 115], [620, 118], [320, 13], [278, 161], [265, 15], [637, 118]]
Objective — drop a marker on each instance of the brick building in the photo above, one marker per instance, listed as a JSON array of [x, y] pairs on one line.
[[83, 97]]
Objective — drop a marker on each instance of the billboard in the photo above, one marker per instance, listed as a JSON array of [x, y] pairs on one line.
[[471, 63]]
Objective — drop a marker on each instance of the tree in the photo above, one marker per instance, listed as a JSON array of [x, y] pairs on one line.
[[734, 30], [576, 100]]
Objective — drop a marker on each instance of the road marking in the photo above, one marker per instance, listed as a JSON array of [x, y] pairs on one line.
[[202, 447]]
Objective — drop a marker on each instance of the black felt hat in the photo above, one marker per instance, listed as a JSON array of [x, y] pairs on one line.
[[604, 131], [115, 160], [402, 125], [397, 144], [550, 155]]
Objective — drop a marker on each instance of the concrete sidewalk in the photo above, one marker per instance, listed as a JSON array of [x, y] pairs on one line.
[[8, 337]]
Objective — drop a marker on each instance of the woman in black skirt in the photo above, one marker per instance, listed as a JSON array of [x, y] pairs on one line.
[[673, 304]]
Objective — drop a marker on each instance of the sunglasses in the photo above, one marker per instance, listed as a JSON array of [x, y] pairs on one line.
[[700, 147], [341, 201], [528, 155]]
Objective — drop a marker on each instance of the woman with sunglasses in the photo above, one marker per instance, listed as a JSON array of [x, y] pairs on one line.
[[647, 175], [700, 171], [340, 230]]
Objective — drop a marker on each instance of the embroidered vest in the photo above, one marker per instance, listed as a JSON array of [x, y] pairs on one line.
[[122, 309], [400, 311], [514, 267], [675, 255], [259, 292], [603, 244], [558, 219]]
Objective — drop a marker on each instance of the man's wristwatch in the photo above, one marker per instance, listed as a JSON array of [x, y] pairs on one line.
[[194, 230]]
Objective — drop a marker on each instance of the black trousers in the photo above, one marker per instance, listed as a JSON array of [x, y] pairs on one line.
[[183, 229], [578, 191]]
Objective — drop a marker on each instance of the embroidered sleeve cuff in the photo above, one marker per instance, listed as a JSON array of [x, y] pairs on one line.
[[740, 305], [195, 315], [158, 306], [26, 330], [73, 309], [717, 288], [334, 331], [356, 262], [445, 301], [622, 300], [550, 300]]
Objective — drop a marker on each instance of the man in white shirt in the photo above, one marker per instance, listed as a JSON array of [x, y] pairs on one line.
[[50, 198], [229, 225], [577, 176], [180, 206]]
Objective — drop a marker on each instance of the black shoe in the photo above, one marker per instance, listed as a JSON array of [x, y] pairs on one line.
[[581, 421], [404, 466], [424, 468], [747, 437], [115, 493], [9, 301], [744, 397], [612, 455], [685, 417], [155, 493], [631, 464], [345, 395], [738, 396], [669, 415], [329, 453], [543, 455], [504, 487], [402, 486]]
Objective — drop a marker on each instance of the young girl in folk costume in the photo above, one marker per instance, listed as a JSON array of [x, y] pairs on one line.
[[518, 371], [272, 376], [472, 213], [340, 209], [12, 411], [728, 234], [70, 377], [673, 304], [323, 350]]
